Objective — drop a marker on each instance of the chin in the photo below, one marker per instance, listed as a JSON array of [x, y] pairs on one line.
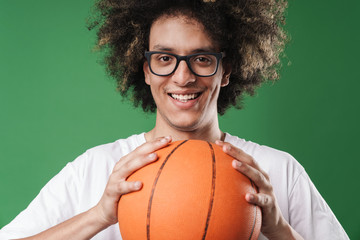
[[185, 126], [184, 121]]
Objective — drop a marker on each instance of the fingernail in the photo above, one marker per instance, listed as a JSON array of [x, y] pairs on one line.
[[165, 139], [227, 148], [250, 197], [236, 163], [137, 185], [152, 156]]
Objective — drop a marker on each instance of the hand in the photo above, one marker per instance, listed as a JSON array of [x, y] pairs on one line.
[[274, 226], [117, 185]]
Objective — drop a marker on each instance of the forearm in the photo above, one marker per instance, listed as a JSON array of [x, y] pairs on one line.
[[285, 232], [82, 226]]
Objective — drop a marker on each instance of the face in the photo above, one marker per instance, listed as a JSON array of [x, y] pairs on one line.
[[184, 101]]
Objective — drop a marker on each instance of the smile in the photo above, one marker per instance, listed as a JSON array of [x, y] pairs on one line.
[[184, 97]]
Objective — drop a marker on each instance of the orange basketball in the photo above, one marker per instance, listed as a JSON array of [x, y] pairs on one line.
[[191, 192]]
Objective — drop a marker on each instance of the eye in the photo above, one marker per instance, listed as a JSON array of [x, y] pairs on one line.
[[203, 60], [164, 58]]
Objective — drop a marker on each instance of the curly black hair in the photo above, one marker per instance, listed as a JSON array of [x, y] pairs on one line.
[[250, 32]]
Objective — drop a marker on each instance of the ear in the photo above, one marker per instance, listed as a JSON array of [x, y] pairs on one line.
[[226, 74], [146, 72]]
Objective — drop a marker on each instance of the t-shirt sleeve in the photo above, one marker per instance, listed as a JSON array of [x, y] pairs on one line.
[[55, 203], [310, 215]]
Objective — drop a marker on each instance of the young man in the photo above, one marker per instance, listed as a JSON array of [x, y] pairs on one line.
[[200, 57]]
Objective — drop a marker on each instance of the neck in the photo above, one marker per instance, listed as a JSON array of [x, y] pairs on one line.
[[210, 132]]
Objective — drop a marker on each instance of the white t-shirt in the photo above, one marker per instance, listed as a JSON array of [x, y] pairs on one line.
[[81, 183]]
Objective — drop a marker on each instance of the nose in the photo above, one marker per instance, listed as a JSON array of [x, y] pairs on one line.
[[183, 75]]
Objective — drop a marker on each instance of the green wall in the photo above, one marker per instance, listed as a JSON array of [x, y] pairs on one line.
[[56, 100]]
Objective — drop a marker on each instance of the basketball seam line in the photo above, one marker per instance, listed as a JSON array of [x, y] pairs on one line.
[[153, 189], [212, 190], [253, 228]]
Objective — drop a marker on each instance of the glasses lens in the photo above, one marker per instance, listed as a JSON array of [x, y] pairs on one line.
[[200, 64], [203, 64], [162, 63]]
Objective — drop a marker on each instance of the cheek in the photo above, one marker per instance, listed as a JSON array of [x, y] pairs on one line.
[[216, 86], [155, 89], [215, 93]]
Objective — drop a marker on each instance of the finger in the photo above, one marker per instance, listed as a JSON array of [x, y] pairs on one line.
[[131, 166], [260, 199], [153, 145], [241, 156], [237, 153], [143, 152], [124, 187], [219, 143], [254, 174]]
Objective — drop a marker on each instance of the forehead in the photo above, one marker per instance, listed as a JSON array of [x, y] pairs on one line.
[[180, 34]]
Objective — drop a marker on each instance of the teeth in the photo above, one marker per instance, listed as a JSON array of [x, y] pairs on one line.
[[184, 98]]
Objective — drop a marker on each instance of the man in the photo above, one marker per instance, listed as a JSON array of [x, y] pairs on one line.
[[188, 61]]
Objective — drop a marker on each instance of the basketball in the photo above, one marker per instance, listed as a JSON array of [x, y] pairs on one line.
[[191, 192]]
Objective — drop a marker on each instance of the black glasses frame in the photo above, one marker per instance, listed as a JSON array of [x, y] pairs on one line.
[[218, 56]]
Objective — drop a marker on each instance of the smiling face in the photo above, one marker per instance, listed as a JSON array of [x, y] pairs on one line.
[[185, 102]]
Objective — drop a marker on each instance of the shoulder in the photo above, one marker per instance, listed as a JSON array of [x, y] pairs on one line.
[[102, 158], [118, 148], [266, 156]]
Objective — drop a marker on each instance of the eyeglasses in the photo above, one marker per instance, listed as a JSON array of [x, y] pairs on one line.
[[200, 64]]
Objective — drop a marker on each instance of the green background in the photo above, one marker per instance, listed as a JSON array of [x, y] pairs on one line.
[[56, 100]]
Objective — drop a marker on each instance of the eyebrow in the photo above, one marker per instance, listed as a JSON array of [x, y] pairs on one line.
[[159, 47]]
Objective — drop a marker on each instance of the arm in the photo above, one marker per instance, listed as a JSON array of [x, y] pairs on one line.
[[274, 226], [104, 214], [83, 226]]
